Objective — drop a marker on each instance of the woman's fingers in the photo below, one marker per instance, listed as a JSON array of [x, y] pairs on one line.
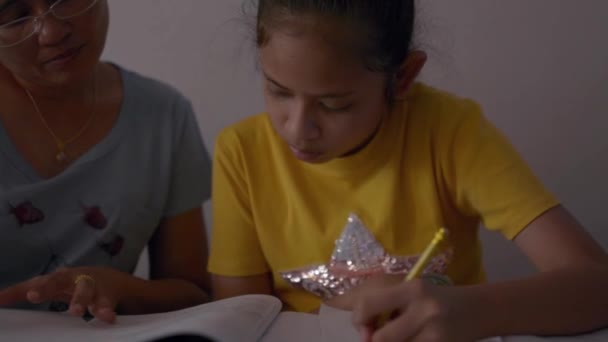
[[104, 309], [83, 296]]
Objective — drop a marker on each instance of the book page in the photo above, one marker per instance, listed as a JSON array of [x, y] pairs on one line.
[[330, 325], [294, 327], [336, 325], [244, 318]]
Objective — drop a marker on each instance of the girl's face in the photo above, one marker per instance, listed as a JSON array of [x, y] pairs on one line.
[[62, 51], [321, 99]]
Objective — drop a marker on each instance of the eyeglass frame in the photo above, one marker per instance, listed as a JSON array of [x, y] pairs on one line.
[[38, 21]]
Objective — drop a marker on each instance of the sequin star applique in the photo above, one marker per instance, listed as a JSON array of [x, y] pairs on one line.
[[357, 256]]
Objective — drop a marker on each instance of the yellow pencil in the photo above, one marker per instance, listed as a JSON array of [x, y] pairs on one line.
[[418, 267]]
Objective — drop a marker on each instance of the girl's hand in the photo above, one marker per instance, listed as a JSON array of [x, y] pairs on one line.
[[98, 290], [376, 282], [421, 312]]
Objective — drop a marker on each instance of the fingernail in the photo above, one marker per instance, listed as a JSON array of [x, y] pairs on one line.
[[33, 296], [366, 333], [77, 309], [107, 315]]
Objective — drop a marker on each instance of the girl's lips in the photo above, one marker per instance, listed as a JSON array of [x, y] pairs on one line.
[[305, 155]]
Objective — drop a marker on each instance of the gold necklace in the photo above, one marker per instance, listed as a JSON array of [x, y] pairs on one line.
[[61, 155]]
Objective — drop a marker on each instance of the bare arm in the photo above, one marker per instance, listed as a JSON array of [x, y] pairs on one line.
[[225, 287], [568, 295], [178, 258]]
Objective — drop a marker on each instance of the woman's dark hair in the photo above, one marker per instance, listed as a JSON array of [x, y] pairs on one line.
[[383, 28]]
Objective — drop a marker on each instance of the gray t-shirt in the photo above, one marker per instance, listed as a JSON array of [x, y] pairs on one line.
[[105, 207]]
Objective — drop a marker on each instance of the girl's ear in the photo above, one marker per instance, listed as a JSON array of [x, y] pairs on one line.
[[408, 72]]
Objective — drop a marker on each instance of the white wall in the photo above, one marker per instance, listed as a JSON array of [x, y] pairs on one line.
[[539, 68]]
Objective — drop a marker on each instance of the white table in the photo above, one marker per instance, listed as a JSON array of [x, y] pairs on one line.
[[599, 336], [335, 325]]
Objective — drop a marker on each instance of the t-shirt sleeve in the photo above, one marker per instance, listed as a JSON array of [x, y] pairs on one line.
[[191, 166], [235, 246], [489, 178]]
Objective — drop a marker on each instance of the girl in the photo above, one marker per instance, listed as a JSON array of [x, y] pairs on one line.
[[103, 171], [348, 130]]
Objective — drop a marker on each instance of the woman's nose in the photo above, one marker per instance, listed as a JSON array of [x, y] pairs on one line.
[[52, 31]]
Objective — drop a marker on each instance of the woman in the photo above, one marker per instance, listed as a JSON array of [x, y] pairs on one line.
[[96, 164]]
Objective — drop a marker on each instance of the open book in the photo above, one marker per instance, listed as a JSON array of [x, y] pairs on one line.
[[240, 319], [244, 318]]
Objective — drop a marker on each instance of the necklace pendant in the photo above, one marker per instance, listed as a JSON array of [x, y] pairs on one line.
[[61, 156]]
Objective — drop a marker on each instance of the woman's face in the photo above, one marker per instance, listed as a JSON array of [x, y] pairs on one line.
[[62, 51]]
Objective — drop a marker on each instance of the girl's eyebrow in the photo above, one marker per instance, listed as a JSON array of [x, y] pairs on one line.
[[325, 95]]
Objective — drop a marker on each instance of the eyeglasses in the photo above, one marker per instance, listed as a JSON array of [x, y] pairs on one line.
[[15, 28]]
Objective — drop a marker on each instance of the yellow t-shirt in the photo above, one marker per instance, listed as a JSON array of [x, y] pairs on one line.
[[435, 161]]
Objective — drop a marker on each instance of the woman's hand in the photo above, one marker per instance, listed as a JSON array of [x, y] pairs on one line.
[[98, 290]]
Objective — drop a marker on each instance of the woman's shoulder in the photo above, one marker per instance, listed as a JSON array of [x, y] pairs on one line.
[[154, 103], [145, 92]]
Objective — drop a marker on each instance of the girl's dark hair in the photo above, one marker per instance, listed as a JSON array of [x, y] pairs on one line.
[[384, 27]]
